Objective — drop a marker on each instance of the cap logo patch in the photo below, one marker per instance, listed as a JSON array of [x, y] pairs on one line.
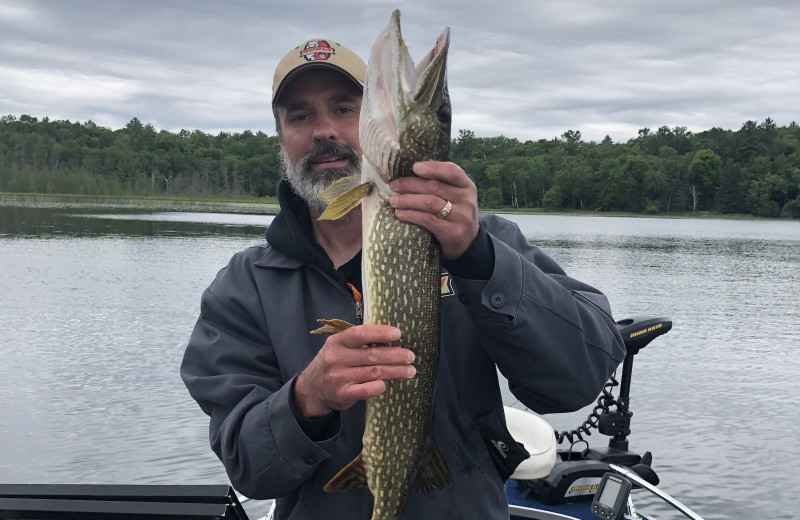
[[317, 50]]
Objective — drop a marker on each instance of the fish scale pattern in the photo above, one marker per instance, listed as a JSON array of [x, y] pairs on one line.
[[405, 293]]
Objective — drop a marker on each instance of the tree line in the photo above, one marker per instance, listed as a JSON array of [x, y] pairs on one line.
[[60, 157], [753, 170]]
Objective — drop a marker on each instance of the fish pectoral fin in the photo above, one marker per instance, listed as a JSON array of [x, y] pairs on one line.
[[331, 327], [434, 473], [339, 188], [352, 476], [342, 196]]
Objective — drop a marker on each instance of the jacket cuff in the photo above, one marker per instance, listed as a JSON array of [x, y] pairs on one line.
[[318, 429], [294, 446], [477, 262]]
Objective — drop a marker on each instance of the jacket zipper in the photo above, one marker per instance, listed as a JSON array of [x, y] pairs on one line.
[[354, 294], [358, 300]]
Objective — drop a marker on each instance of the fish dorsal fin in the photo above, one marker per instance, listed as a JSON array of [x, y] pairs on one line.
[[434, 473], [342, 196], [352, 476]]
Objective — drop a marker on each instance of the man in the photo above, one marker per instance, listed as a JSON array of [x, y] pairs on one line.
[[287, 408]]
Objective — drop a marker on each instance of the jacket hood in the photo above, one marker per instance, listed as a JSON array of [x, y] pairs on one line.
[[290, 233]]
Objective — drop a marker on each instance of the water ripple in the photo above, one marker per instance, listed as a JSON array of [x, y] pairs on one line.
[[95, 312]]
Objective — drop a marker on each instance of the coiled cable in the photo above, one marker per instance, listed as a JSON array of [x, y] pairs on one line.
[[604, 403]]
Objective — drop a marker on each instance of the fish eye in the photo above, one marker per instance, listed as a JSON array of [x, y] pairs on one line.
[[444, 114]]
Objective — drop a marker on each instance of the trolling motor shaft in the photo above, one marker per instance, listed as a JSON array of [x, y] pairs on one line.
[[637, 332]]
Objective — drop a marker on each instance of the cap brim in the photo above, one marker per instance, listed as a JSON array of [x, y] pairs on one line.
[[307, 67]]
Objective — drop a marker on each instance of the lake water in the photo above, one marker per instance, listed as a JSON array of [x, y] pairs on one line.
[[95, 309]]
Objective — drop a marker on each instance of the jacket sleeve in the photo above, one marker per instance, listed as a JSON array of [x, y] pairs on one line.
[[231, 370], [550, 335]]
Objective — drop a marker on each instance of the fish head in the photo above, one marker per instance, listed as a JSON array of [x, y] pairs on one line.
[[405, 114]]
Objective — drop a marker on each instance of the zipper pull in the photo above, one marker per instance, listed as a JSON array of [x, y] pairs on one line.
[[357, 298]]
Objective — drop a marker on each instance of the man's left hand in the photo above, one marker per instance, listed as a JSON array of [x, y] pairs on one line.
[[420, 200]]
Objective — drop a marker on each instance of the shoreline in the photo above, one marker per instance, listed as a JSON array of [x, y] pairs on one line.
[[272, 208], [80, 201]]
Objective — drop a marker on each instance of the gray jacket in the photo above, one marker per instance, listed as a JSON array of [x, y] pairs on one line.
[[551, 336]]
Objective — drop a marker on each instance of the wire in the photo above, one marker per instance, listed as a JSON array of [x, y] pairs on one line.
[[604, 402]]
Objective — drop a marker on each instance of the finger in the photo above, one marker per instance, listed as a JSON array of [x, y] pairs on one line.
[[365, 374], [455, 232], [431, 204], [374, 381], [442, 229], [362, 335], [446, 172], [454, 185], [419, 185], [364, 391], [370, 356], [424, 210]]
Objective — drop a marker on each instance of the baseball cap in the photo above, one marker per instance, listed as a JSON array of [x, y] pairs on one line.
[[317, 52]]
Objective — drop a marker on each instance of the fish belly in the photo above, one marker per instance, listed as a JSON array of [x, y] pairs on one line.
[[402, 288]]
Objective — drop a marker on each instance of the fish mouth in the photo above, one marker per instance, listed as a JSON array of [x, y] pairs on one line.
[[426, 83], [405, 111]]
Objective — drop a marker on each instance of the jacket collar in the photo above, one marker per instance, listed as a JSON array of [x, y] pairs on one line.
[[290, 238]]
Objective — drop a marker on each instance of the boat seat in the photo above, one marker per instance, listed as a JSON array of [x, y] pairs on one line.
[[110, 502]]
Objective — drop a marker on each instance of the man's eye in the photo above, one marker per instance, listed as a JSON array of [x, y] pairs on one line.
[[299, 117]]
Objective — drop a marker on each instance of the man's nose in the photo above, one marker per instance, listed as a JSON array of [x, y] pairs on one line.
[[325, 129]]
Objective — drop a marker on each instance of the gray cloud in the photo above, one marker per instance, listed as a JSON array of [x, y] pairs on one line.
[[523, 69]]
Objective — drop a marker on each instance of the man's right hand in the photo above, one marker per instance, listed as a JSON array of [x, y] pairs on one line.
[[348, 369]]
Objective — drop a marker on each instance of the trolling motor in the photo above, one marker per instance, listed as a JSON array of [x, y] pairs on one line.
[[579, 473], [636, 332]]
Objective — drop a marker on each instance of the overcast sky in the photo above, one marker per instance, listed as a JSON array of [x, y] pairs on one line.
[[529, 69]]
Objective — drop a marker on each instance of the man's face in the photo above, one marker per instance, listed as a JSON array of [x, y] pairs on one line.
[[318, 117]]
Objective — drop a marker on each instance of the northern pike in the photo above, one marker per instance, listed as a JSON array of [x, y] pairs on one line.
[[405, 118]]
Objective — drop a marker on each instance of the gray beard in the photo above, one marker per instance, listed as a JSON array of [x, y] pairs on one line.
[[308, 184]]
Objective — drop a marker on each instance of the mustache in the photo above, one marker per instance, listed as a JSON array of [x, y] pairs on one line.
[[336, 149], [306, 182]]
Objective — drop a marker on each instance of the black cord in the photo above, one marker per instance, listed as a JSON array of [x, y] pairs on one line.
[[604, 402]]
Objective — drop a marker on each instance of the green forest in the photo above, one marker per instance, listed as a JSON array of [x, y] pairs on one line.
[[753, 170]]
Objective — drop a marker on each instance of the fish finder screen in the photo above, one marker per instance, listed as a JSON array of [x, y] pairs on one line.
[[609, 493]]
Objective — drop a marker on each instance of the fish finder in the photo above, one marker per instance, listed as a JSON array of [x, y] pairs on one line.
[[611, 497]]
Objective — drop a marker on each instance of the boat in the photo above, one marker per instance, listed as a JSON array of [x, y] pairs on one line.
[[586, 483], [565, 479]]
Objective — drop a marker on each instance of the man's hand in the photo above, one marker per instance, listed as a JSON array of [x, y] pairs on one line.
[[348, 369], [420, 199]]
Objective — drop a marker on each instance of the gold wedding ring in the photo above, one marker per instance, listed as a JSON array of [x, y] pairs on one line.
[[445, 210]]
